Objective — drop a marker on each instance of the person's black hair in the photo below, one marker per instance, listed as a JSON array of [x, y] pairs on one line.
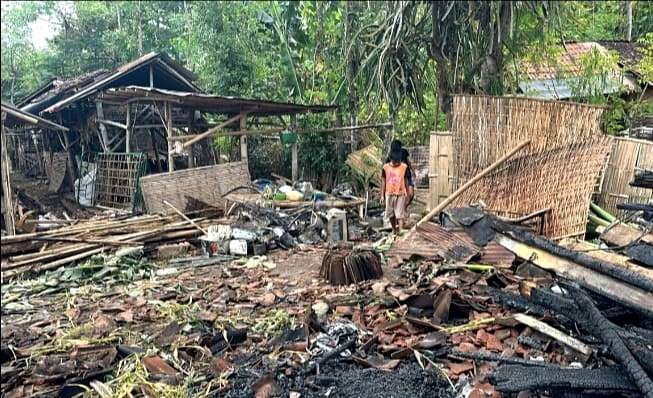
[[395, 155], [395, 145]]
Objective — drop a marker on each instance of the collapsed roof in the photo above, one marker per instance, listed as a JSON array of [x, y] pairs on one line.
[[153, 69], [18, 117]]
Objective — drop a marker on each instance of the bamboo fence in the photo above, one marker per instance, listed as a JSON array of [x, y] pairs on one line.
[[485, 127], [558, 170], [628, 156], [562, 179]]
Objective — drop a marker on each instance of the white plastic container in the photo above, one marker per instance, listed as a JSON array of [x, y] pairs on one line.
[[238, 247]]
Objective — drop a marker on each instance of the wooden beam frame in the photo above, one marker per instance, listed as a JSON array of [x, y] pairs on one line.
[[243, 140], [213, 130], [295, 150]]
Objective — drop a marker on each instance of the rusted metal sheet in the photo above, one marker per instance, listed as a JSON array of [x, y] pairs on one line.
[[448, 243], [497, 255], [414, 244]]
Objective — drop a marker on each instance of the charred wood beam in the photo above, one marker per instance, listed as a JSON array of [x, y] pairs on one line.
[[643, 179], [514, 378], [592, 321], [492, 357], [583, 259]]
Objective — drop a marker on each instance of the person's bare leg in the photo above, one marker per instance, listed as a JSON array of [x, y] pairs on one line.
[[401, 224], [393, 222]]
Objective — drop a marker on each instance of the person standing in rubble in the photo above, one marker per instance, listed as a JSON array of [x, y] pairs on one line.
[[396, 145], [394, 191]]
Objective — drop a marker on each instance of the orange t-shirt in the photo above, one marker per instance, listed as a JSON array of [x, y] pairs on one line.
[[395, 183]]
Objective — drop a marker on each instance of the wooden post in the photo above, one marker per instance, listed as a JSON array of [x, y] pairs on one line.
[[295, 150], [71, 155], [191, 158], [156, 151], [5, 165], [103, 129], [471, 182], [243, 139], [168, 117], [128, 130]]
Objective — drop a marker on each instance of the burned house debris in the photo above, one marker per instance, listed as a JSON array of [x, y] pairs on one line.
[[151, 265]]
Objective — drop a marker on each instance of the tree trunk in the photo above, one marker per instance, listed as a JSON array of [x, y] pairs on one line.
[[629, 20], [352, 65], [139, 32]]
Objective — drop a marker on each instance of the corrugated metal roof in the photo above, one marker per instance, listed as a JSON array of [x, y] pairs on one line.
[[448, 242], [497, 255], [414, 244]]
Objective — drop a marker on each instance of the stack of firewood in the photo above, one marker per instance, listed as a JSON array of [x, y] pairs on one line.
[[45, 250]]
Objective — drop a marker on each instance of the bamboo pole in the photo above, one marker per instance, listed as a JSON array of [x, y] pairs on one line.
[[210, 131], [184, 217], [471, 182]]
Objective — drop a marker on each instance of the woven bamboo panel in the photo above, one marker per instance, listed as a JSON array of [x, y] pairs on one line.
[[56, 169], [561, 179], [628, 156], [486, 127], [184, 189]]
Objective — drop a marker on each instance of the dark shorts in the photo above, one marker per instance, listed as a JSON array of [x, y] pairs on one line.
[[409, 177]]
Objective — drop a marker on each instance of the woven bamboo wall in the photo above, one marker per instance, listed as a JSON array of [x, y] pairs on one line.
[[559, 169], [562, 179], [486, 127], [628, 156], [183, 188]]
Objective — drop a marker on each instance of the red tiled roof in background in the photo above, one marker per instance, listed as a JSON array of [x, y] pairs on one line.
[[568, 62]]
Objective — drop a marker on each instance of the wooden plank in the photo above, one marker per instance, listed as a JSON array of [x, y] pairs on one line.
[[440, 163], [602, 284], [605, 255], [433, 171], [128, 129], [553, 333]]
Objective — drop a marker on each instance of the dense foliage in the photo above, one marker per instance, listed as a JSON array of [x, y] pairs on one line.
[[397, 60]]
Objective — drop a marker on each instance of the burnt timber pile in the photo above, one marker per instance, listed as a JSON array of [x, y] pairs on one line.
[[523, 276]]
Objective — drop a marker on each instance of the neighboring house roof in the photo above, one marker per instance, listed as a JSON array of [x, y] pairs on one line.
[[167, 74], [630, 54], [555, 80], [17, 116], [212, 103]]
